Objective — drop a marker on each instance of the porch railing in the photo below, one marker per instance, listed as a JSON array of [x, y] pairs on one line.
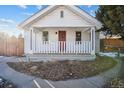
[[64, 47]]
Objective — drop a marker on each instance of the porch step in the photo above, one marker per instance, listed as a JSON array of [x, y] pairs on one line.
[[44, 57]]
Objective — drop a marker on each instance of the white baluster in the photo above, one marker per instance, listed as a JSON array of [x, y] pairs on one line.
[[64, 47], [84, 47], [79, 46]]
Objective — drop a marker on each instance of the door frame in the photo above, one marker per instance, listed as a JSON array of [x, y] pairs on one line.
[[62, 45], [59, 34]]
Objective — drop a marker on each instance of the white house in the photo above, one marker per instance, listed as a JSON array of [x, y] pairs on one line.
[[61, 31]]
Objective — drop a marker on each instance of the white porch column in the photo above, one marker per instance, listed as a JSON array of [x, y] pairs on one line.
[[29, 41], [33, 40], [93, 40]]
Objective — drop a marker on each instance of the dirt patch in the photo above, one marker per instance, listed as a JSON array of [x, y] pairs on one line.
[[63, 70]]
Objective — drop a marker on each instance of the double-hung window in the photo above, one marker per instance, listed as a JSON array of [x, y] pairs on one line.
[[45, 36], [78, 36]]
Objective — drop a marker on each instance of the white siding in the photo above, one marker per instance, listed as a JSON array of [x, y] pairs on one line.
[[38, 41], [97, 43], [70, 34], [53, 19], [85, 36]]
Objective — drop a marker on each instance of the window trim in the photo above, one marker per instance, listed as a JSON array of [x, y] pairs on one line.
[[45, 37], [76, 36]]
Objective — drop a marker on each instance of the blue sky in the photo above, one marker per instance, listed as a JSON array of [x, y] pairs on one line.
[[12, 15]]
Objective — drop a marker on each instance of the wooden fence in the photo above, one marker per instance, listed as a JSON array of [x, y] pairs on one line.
[[11, 46], [111, 45]]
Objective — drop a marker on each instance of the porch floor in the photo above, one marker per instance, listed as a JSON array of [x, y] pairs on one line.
[[57, 56]]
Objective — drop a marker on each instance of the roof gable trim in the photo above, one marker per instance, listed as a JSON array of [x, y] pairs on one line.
[[72, 7]]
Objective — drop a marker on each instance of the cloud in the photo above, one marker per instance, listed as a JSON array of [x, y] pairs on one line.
[[23, 6], [8, 26], [92, 12], [28, 14], [6, 21], [4, 25], [39, 7], [11, 31]]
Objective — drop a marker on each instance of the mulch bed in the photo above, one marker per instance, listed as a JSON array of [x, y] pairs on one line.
[[63, 70]]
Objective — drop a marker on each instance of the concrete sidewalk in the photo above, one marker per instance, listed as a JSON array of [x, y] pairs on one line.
[[26, 81], [17, 78]]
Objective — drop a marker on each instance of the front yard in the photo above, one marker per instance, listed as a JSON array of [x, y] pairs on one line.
[[64, 70]]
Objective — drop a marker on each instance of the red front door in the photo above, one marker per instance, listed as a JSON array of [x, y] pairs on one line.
[[62, 38]]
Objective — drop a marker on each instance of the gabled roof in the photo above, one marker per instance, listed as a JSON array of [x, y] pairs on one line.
[[48, 9]]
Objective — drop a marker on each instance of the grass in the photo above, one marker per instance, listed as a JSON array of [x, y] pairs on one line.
[[65, 69]]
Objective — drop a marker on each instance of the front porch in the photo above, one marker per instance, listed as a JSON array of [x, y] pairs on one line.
[[66, 46]]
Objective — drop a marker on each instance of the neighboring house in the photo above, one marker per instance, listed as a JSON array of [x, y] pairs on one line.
[[61, 30]]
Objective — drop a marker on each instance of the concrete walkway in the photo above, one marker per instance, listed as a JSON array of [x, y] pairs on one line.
[[26, 81]]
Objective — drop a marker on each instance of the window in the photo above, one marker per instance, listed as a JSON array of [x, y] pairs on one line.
[[61, 14], [78, 35], [45, 35]]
